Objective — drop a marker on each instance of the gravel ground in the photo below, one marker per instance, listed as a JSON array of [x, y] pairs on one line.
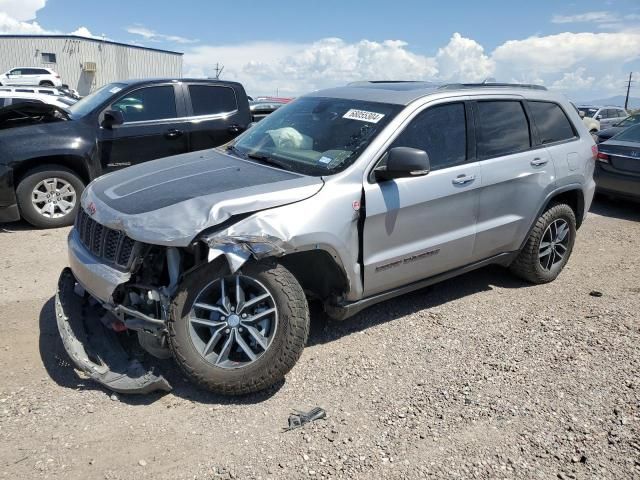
[[481, 376]]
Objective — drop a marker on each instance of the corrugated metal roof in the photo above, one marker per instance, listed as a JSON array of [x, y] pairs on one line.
[[98, 40]]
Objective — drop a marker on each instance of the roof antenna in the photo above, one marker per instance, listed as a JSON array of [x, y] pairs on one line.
[[489, 80]]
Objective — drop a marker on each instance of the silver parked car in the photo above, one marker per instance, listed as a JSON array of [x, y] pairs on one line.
[[606, 116], [349, 196]]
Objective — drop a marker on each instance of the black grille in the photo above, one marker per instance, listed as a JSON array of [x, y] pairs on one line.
[[112, 246]]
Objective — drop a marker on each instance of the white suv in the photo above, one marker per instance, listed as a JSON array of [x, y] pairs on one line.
[[31, 76]]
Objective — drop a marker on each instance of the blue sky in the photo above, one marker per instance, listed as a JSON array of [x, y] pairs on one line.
[[583, 48]]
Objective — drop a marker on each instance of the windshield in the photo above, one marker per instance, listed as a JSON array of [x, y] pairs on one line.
[[627, 122], [588, 112], [87, 104], [631, 134], [315, 136]]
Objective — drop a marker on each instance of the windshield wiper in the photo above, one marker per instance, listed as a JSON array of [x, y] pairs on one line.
[[268, 160], [232, 148]]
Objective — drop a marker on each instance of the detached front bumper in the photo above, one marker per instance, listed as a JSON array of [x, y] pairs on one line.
[[96, 350]]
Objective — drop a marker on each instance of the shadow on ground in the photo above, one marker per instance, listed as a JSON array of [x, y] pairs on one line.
[[616, 208], [324, 330]]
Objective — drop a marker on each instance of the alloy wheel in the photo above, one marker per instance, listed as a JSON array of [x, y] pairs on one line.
[[554, 244], [233, 321], [53, 197]]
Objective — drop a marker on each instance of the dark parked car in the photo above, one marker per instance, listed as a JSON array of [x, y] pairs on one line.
[[48, 153], [618, 167], [262, 108], [631, 120]]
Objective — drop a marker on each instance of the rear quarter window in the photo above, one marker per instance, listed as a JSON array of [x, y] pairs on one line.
[[551, 121], [212, 99]]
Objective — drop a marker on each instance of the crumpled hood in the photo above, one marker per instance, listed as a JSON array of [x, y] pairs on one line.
[[171, 200]]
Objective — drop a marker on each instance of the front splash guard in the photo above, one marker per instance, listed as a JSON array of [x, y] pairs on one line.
[[86, 339]]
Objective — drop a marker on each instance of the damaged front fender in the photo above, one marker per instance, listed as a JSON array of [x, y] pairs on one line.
[[238, 249]]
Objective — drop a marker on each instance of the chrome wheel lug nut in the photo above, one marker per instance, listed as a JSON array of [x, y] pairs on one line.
[[227, 330], [233, 308], [244, 315], [240, 329]]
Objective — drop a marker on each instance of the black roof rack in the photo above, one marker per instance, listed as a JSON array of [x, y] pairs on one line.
[[458, 86]]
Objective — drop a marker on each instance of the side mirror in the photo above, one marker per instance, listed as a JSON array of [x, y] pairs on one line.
[[581, 114], [403, 162], [598, 117], [112, 118]]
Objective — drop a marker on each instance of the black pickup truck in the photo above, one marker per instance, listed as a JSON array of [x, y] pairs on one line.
[[48, 153]]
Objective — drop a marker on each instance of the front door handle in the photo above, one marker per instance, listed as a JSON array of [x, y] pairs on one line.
[[234, 129], [538, 162], [463, 179], [173, 133]]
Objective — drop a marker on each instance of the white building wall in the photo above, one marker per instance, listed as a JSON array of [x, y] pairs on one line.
[[113, 61]]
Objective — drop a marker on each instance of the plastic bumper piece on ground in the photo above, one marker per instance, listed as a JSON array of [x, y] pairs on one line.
[[85, 338]]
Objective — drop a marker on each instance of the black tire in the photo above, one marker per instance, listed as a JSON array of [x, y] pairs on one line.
[[527, 265], [281, 355], [29, 182], [46, 83]]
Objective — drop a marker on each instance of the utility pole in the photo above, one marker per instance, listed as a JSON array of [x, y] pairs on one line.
[[219, 70], [626, 101]]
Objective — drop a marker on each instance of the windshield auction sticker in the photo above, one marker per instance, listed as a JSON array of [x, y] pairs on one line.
[[363, 116]]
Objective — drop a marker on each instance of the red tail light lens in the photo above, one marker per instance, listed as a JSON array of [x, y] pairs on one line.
[[594, 151], [603, 157]]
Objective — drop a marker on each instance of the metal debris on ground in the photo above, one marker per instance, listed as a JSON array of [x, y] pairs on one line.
[[298, 418]]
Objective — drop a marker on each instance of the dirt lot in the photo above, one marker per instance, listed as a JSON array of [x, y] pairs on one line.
[[482, 376]]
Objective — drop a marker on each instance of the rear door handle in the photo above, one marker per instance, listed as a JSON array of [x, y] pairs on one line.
[[173, 133], [463, 179], [538, 162]]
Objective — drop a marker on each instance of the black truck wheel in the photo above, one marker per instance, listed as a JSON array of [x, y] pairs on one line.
[[238, 333], [49, 196]]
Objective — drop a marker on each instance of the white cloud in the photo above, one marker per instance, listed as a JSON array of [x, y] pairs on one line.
[[17, 18], [464, 58], [576, 80], [294, 68], [21, 10], [568, 61], [558, 53], [10, 25], [153, 36], [587, 17]]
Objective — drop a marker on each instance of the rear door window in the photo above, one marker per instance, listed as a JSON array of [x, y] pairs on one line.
[[212, 99], [503, 128], [441, 131], [149, 103], [551, 121]]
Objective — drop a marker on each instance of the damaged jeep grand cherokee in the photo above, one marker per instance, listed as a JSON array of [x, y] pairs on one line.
[[347, 196]]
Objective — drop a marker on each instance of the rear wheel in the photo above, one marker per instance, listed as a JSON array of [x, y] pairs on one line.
[[49, 196], [46, 83], [548, 247], [239, 333]]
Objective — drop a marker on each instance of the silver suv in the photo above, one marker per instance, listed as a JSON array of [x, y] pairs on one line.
[[348, 196]]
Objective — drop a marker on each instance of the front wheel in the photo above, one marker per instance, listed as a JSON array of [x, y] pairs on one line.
[[238, 333], [548, 247], [46, 83], [49, 196]]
